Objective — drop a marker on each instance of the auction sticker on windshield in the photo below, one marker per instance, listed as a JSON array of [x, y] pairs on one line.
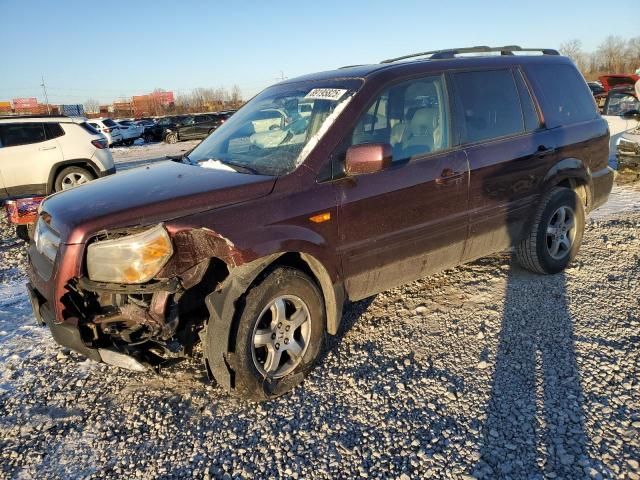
[[333, 94]]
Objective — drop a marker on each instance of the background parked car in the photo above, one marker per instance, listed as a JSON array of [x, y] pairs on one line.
[[108, 128], [41, 155], [130, 130], [157, 132], [610, 82], [195, 127], [618, 111]]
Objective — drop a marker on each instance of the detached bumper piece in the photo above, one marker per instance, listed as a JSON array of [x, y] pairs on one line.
[[68, 335]]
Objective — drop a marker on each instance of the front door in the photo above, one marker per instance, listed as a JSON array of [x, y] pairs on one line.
[[409, 220]]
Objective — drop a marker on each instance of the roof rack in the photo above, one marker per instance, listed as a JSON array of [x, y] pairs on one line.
[[452, 52]]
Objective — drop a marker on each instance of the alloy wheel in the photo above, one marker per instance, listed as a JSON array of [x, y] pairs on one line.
[[561, 232], [73, 179], [281, 336]]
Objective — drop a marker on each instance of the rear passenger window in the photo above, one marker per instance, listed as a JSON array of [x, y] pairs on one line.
[[15, 134], [89, 128], [489, 104], [412, 117], [53, 130], [566, 98]]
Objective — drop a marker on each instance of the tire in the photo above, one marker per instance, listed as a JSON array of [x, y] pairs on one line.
[[211, 131], [148, 138], [129, 142], [70, 177], [552, 244], [258, 375], [171, 138]]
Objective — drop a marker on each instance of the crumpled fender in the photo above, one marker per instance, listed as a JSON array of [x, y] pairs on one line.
[[222, 305]]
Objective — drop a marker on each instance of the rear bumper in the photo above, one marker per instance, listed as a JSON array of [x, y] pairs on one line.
[[105, 173], [601, 185]]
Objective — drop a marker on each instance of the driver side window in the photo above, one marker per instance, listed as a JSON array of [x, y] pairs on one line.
[[410, 116]]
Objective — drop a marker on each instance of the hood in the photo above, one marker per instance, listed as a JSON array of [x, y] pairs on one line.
[[612, 81], [148, 195]]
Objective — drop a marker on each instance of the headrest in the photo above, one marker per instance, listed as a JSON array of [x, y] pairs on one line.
[[423, 122]]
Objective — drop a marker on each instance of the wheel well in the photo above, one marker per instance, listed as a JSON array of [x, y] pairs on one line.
[[86, 164], [580, 187]]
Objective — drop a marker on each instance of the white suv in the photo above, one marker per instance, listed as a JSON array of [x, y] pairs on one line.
[[40, 155], [108, 128]]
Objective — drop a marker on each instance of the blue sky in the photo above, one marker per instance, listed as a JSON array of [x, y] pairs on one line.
[[108, 49]]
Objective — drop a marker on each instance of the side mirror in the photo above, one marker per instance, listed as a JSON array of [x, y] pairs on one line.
[[631, 114], [368, 158]]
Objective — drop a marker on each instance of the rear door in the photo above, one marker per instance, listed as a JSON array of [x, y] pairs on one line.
[[499, 128], [410, 219], [27, 157]]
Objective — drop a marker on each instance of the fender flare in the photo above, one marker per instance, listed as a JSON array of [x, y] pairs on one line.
[[221, 304], [572, 170]]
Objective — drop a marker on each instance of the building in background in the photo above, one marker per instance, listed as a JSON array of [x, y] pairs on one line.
[[26, 106], [5, 108], [155, 103]]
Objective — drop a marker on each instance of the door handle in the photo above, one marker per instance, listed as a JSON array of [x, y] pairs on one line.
[[449, 176], [47, 148], [544, 151]]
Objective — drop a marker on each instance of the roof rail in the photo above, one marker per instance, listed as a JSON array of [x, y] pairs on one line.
[[452, 52]]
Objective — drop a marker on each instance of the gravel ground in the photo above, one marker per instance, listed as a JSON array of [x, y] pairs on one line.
[[483, 371]]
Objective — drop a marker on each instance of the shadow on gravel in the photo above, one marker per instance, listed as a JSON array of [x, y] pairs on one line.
[[534, 423]]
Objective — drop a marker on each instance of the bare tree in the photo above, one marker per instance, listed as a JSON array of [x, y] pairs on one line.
[[91, 105], [573, 50], [611, 53], [236, 95]]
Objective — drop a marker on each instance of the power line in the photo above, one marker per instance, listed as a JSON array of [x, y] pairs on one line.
[[46, 99]]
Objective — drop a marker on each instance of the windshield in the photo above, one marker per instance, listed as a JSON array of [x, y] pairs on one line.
[[269, 135], [166, 121], [620, 103]]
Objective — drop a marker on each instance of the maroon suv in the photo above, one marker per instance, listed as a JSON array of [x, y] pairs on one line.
[[370, 176]]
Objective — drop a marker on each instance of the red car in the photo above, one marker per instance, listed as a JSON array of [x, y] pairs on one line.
[[254, 241]]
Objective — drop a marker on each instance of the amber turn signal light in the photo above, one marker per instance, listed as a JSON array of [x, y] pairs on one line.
[[321, 217]]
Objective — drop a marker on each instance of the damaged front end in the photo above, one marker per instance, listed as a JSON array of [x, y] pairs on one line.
[[156, 321]]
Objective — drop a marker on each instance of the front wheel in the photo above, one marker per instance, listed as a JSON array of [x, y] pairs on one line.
[[171, 138], [280, 334], [556, 233]]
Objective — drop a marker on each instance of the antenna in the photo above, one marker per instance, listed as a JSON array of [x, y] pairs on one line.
[[46, 98]]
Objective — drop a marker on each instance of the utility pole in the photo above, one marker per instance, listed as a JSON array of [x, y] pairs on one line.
[[282, 77], [46, 98]]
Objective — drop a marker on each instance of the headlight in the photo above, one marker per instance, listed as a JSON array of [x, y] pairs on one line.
[[132, 259]]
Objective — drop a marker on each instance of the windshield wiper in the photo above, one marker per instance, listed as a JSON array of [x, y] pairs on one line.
[[240, 166]]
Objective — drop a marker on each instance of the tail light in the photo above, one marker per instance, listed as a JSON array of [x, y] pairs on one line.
[[108, 130], [23, 211], [102, 143]]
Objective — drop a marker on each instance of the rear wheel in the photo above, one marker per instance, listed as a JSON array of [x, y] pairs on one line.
[[71, 177], [129, 142], [280, 335], [556, 234], [148, 138]]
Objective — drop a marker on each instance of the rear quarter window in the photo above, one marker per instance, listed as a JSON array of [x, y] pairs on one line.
[[109, 123], [91, 128], [565, 96], [53, 130]]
